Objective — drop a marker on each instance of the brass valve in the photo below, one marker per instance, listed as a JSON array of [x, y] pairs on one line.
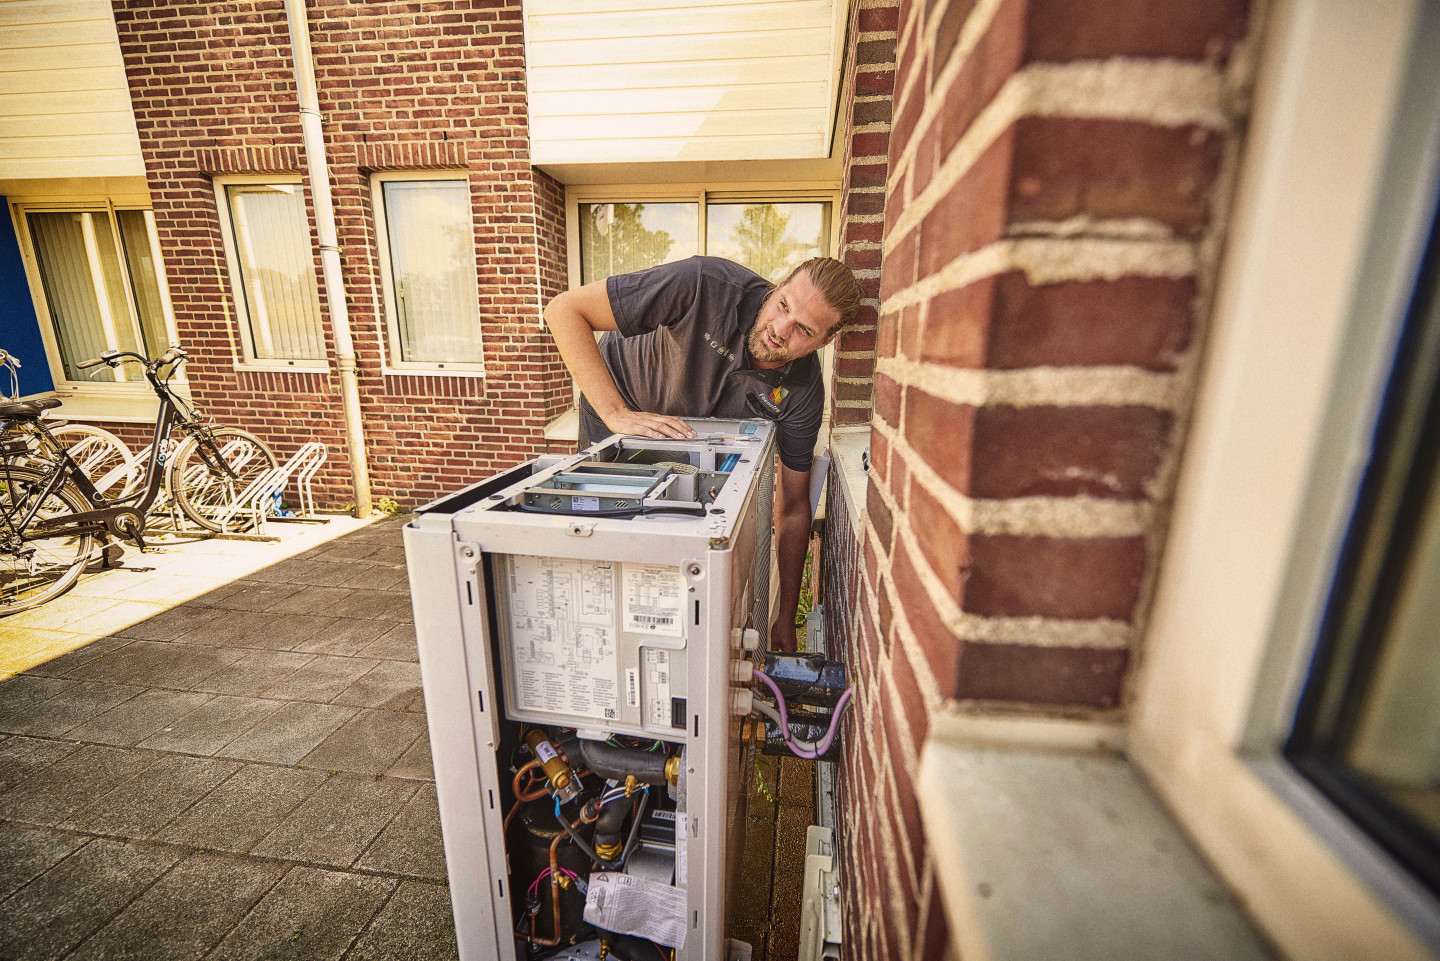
[[562, 779], [672, 769]]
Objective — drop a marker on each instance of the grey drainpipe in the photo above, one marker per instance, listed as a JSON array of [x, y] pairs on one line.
[[319, 171]]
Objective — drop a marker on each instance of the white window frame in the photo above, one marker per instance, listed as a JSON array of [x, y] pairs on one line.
[[700, 194], [130, 401], [246, 355], [389, 328]]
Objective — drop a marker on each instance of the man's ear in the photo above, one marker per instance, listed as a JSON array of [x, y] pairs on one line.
[[834, 332]]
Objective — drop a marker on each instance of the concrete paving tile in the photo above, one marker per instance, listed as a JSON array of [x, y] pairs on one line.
[[174, 624], [90, 615], [72, 707], [263, 630], [77, 656], [415, 763], [321, 679], [310, 600], [336, 824], [388, 685], [21, 757], [418, 922], [59, 909], [211, 726], [378, 577], [347, 548], [20, 695], [253, 672], [289, 734], [58, 613], [391, 606], [52, 794], [247, 595], [190, 665], [416, 704], [311, 915], [411, 843], [396, 644], [289, 571], [23, 650], [27, 852], [130, 723], [244, 809], [345, 636], [141, 805], [186, 912], [368, 743], [135, 663], [332, 571]]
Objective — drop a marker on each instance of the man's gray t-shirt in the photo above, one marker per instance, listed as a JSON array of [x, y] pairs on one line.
[[680, 350]]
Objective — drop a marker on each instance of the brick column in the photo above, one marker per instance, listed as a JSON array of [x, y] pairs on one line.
[[1055, 198]]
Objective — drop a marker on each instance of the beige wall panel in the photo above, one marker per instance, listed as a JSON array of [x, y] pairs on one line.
[[640, 81], [65, 108]]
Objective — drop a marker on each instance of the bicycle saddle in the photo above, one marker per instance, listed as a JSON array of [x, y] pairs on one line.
[[24, 409]]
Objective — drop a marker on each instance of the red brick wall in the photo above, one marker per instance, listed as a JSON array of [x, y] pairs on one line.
[[1057, 182], [864, 137], [401, 86]]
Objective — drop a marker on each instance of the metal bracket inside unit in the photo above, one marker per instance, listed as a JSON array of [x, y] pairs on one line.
[[599, 487]]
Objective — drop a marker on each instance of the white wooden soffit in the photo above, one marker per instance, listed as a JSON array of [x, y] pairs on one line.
[[663, 81], [64, 103]]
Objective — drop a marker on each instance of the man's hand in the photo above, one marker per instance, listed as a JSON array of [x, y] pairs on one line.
[[792, 524], [636, 422], [782, 636]]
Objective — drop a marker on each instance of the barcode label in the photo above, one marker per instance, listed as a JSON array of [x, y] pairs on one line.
[[649, 619], [632, 687], [653, 599]]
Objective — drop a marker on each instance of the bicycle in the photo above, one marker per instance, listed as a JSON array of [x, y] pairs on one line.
[[51, 513]]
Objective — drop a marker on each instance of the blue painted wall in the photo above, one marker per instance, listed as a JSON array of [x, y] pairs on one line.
[[19, 327]]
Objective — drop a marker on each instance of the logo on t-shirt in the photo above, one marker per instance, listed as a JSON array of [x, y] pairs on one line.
[[718, 347]]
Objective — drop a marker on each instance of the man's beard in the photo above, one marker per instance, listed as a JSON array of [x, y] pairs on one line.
[[761, 351]]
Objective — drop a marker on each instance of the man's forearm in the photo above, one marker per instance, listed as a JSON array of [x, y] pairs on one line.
[[793, 539], [575, 339]]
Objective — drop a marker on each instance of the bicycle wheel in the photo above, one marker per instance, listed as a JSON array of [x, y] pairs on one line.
[[213, 474], [36, 571], [104, 458]]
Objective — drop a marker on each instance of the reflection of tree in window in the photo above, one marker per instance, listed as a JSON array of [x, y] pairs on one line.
[[617, 241], [766, 247]]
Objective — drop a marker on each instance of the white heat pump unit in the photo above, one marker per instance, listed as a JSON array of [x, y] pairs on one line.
[[583, 623]]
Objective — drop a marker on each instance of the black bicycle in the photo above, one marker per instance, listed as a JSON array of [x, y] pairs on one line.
[[54, 520]]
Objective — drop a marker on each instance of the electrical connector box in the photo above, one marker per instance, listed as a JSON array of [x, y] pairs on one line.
[[592, 597]]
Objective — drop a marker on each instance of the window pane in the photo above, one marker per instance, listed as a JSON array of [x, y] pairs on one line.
[[619, 238], [140, 260], [431, 241], [79, 272], [770, 239], [277, 273]]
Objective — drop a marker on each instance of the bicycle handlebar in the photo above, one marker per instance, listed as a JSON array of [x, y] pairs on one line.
[[117, 357]]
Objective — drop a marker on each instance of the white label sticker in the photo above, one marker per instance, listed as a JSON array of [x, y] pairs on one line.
[[545, 752], [584, 503], [627, 904], [632, 687], [562, 634], [654, 599], [682, 860], [657, 688]]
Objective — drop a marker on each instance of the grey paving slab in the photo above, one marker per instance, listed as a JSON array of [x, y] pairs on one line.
[[72, 707], [240, 812], [20, 695], [289, 734], [264, 630], [308, 599], [247, 595], [331, 571], [65, 663], [22, 756], [311, 914], [382, 605], [253, 672], [344, 636], [144, 803], [411, 843], [416, 923], [50, 795], [389, 685], [130, 723], [336, 824], [212, 725], [378, 577], [320, 679], [369, 743], [189, 666], [415, 763], [396, 644], [182, 623], [27, 852], [135, 663], [57, 910], [292, 570], [186, 912]]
